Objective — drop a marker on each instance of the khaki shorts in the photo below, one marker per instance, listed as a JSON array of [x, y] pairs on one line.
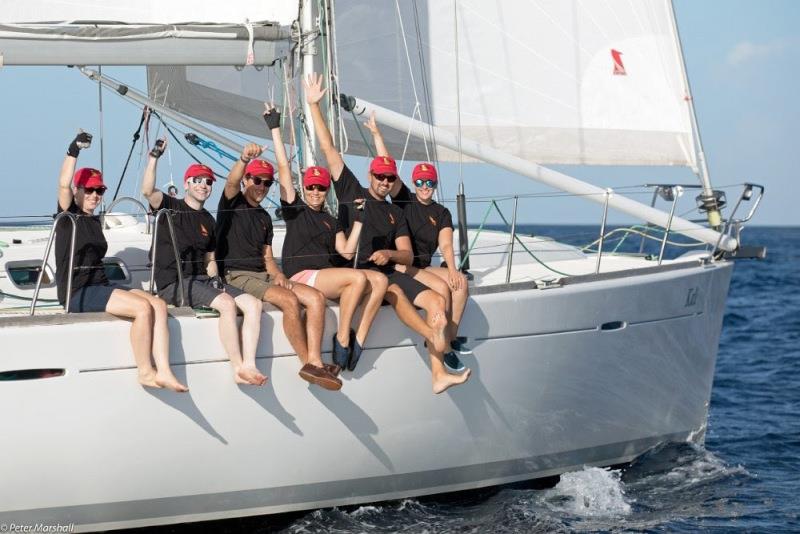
[[251, 282]]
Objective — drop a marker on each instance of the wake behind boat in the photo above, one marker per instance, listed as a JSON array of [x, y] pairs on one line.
[[580, 357]]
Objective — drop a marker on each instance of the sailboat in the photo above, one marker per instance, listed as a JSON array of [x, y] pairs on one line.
[[580, 357]]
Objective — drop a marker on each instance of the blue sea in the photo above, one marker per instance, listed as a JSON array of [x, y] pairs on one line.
[[746, 476]]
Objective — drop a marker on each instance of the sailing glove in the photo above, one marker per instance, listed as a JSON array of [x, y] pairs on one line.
[[158, 149], [273, 119], [82, 140], [358, 210]]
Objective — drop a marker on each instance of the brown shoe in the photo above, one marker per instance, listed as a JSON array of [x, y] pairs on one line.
[[332, 368], [320, 376]]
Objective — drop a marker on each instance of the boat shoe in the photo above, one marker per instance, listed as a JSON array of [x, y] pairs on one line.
[[341, 355], [459, 345], [320, 376], [453, 362], [332, 368], [355, 354]]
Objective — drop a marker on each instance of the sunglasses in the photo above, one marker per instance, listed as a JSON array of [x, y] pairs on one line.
[[316, 187], [430, 184], [257, 180], [99, 190], [202, 180], [386, 178]]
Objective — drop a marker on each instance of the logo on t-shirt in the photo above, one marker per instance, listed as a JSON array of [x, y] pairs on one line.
[[327, 225], [203, 230], [391, 218], [432, 220]]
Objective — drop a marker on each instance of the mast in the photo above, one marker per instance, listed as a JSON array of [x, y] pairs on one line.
[[709, 200], [308, 16], [546, 176]]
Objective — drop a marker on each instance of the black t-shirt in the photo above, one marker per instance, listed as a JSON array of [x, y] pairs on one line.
[[424, 224], [310, 238], [194, 231], [383, 222], [90, 249], [242, 233]]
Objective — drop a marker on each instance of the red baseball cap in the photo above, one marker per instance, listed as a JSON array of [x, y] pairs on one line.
[[88, 177], [317, 176], [383, 165], [197, 169], [424, 171], [260, 167]]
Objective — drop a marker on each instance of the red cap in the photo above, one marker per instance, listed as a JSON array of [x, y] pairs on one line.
[[317, 176], [259, 167], [424, 171], [383, 165], [87, 177], [196, 169]]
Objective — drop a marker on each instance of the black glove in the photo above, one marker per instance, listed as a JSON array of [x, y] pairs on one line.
[[158, 149], [273, 119], [217, 283], [82, 140]]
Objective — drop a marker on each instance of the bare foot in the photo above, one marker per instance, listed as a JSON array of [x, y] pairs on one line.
[[168, 380], [438, 324], [446, 380], [149, 380], [250, 376]]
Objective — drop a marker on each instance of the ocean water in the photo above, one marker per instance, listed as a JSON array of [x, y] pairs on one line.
[[746, 477]]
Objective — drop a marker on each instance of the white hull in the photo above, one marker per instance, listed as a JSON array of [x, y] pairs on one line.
[[550, 391]]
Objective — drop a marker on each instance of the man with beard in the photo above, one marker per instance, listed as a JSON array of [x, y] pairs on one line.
[[244, 250]]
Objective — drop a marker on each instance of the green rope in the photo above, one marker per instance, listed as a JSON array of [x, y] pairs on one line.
[[517, 238], [633, 230], [358, 125], [475, 239]]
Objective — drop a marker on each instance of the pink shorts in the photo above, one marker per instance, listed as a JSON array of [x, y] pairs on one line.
[[307, 277]]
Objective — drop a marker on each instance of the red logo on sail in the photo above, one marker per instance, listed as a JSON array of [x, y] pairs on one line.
[[619, 68]]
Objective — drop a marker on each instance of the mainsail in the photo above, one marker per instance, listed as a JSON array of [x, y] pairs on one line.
[[599, 83]]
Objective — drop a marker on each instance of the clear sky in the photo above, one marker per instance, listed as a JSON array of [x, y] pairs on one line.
[[743, 59]]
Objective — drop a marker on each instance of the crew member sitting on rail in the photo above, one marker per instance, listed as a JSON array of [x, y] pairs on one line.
[[314, 241], [431, 226], [244, 252], [202, 285], [80, 192], [385, 242]]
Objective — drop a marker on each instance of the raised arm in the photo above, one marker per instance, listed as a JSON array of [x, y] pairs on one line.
[[235, 175], [82, 140], [377, 137], [314, 93], [153, 195], [273, 119]]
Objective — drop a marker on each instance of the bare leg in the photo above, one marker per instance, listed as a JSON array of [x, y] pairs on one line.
[[459, 299], [433, 305], [376, 289], [164, 376], [314, 303], [347, 285], [229, 336], [433, 329], [251, 328], [125, 304], [293, 326]]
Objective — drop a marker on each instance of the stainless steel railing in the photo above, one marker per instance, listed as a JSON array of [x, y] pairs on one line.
[[74, 220], [178, 263]]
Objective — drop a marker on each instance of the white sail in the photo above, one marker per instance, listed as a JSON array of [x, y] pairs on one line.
[[581, 82], [116, 32]]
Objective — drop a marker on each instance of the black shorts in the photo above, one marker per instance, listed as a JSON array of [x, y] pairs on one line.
[[91, 298], [198, 292], [410, 287]]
